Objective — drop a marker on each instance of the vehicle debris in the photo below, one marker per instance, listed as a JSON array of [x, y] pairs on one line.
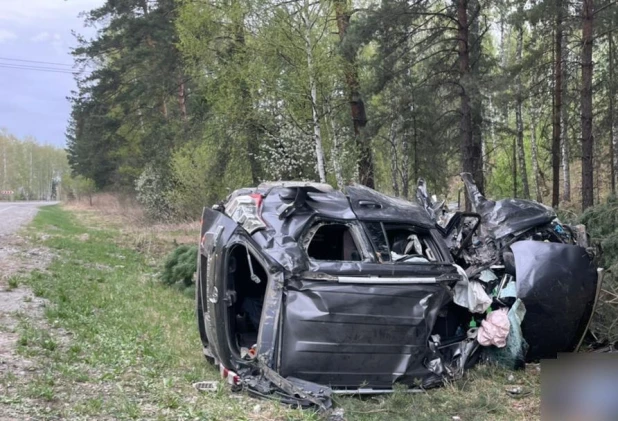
[[494, 329], [304, 291], [206, 386], [517, 391], [521, 250]]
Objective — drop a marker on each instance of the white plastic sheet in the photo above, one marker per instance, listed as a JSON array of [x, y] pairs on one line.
[[470, 294]]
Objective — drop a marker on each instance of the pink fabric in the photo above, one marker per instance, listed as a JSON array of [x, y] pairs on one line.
[[494, 329]]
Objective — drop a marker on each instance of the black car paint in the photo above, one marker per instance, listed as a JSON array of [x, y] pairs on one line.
[[308, 330], [558, 283], [316, 332]]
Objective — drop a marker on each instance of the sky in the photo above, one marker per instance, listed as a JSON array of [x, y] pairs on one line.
[[33, 103]]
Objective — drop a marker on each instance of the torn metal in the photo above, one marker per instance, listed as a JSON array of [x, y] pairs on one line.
[[520, 251]]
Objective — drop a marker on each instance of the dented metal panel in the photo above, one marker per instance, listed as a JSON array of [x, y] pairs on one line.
[[558, 284], [371, 319], [507, 216], [352, 335], [370, 205]]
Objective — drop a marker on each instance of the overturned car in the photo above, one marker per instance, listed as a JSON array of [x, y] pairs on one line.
[[304, 291]]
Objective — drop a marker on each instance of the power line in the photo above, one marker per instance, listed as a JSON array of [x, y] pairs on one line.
[[44, 69], [40, 69], [35, 61]]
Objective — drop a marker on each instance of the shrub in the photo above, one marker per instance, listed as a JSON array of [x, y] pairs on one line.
[[152, 188], [180, 266], [602, 225]]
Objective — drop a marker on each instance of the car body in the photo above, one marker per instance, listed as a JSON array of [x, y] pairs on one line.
[[303, 291]]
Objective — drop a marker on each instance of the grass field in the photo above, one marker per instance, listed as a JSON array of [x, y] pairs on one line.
[[117, 344]]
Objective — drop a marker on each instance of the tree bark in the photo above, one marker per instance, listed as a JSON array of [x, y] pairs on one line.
[[521, 152], [252, 127], [392, 138], [564, 144], [416, 164], [613, 132], [471, 154], [335, 154], [489, 156], [317, 130], [182, 101], [535, 153], [405, 163], [474, 90], [357, 106], [555, 144], [164, 108], [514, 165], [586, 105]]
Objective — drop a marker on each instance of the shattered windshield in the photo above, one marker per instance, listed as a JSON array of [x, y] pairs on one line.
[[402, 243]]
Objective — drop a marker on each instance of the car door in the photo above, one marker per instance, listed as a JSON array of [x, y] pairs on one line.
[[217, 232]]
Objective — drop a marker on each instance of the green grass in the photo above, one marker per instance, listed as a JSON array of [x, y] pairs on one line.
[[123, 345], [118, 344]]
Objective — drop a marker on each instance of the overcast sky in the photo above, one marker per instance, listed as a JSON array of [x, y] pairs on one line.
[[33, 103]]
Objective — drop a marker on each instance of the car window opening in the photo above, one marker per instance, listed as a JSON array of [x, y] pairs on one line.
[[406, 245], [333, 242], [247, 280]]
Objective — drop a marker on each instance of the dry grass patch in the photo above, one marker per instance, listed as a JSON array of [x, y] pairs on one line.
[[122, 212]]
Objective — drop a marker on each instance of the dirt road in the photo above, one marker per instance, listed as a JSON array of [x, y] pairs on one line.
[[18, 256], [14, 214]]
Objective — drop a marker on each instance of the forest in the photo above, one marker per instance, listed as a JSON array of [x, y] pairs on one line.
[[30, 170], [183, 101]]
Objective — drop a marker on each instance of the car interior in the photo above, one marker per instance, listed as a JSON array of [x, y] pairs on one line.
[[333, 241], [247, 280]]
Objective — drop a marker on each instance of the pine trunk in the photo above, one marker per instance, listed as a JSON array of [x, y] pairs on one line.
[[564, 144], [405, 165], [492, 131], [416, 165], [182, 101], [586, 105], [521, 153], [471, 158], [394, 166], [474, 91], [535, 152], [612, 120], [357, 106], [555, 144]]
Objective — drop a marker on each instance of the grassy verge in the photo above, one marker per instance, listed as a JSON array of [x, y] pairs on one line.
[[121, 345], [117, 344]]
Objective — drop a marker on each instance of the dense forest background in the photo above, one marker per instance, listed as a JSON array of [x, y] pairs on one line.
[[30, 170], [186, 100]]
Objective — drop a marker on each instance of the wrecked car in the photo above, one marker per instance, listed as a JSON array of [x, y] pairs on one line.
[[303, 290], [519, 252]]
